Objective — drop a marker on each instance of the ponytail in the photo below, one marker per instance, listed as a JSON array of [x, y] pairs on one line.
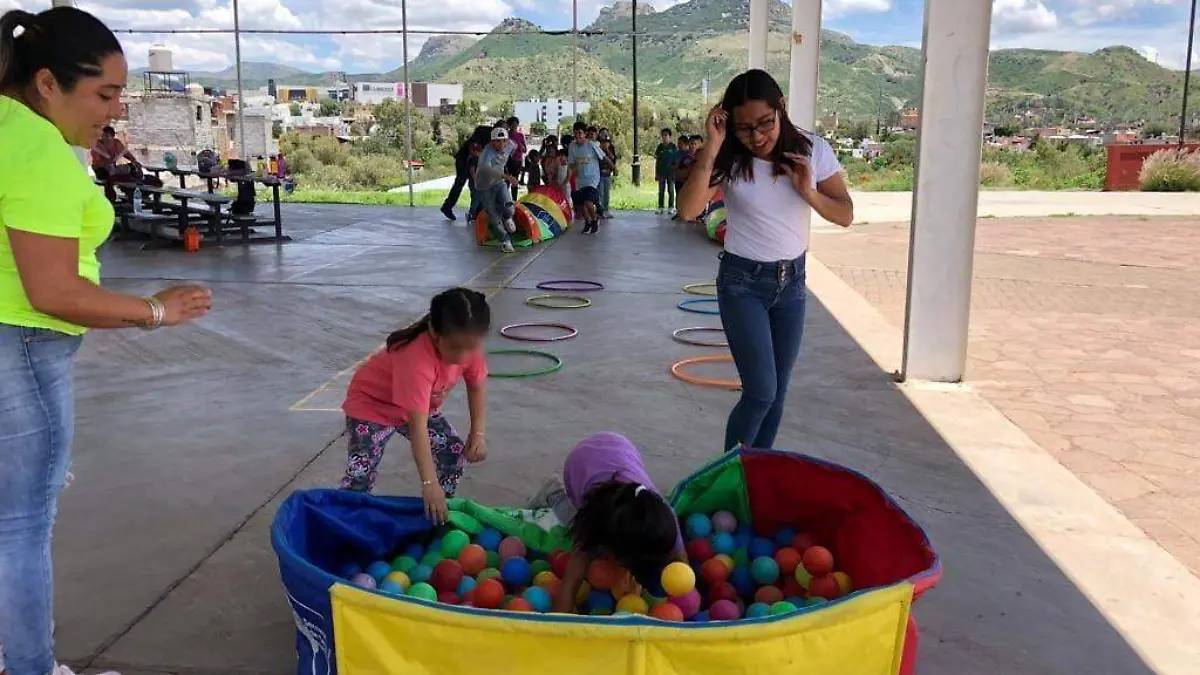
[[406, 335], [68, 42], [458, 310]]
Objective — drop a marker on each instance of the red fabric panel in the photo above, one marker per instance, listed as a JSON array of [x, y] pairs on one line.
[[908, 660]]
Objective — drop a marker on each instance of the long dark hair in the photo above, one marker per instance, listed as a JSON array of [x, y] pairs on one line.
[[68, 42], [734, 160], [458, 310], [631, 523]]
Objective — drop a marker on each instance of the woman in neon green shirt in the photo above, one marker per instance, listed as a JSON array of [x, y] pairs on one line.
[[61, 77]]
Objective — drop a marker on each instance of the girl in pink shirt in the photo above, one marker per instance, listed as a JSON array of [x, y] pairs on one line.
[[402, 388]]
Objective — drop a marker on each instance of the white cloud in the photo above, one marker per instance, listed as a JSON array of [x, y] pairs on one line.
[[1164, 41], [833, 9], [1095, 11], [1019, 17]]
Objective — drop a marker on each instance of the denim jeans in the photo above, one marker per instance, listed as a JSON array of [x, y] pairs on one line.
[[762, 310], [475, 207], [37, 411], [666, 187], [605, 193], [497, 201]]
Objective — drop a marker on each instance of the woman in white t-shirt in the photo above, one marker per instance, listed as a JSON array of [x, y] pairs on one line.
[[770, 172]]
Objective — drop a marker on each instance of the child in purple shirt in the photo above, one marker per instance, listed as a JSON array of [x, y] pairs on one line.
[[613, 509]]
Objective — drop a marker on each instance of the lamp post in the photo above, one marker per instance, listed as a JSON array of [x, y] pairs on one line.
[[636, 167], [237, 51], [1187, 78], [408, 137]]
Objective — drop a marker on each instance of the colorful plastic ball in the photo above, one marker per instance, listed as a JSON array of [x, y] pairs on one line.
[[390, 586], [765, 570], [722, 591], [516, 572], [741, 558], [758, 610], [349, 571], [601, 602], [633, 604], [420, 573], [473, 559], [743, 581], [743, 536], [489, 539], [493, 559], [448, 598], [699, 617], [432, 558], [803, 541], [414, 551], [726, 560], [399, 578], [422, 591], [465, 587], [824, 586], [488, 594], [453, 543], [558, 562], [803, 577], [447, 575], [714, 571], [544, 579], [604, 573], [379, 570], [797, 601], [818, 561], [363, 580], [815, 600], [581, 595], [768, 595], [845, 585], [788, 559], [722, 543], [667, 612], [677, 579], [792, 587], [724, 521], [697, 525], [724, 610], [761, 548], [511, 547], [782, 607], [784, 537], [537, 598], [518, 605], [539, 566], [488, 573], [689, 603], [699, 550], [404, 564]]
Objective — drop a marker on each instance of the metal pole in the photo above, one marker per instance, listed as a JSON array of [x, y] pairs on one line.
[[237, 51], [575, 59], [1187, 78], [408, 142], [636, 168]]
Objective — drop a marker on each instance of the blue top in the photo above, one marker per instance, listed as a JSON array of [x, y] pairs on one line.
[[585, 158], [491, 165]]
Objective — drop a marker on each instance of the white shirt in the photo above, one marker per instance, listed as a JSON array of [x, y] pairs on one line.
[[764, 217]]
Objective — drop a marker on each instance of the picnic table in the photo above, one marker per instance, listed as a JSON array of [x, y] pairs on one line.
[[211, 178], [211, 212]]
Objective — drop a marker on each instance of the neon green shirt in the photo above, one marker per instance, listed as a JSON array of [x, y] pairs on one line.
[[44, 190]]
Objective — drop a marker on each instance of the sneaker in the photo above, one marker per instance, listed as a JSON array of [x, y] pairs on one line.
[[507, 247], [659, 212], [449, 213]]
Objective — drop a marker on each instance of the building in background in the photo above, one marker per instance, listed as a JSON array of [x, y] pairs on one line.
[[288, 94], [549, 112], [434, 96], [374, 93]]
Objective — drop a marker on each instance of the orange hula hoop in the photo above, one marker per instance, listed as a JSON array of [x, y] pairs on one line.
[[722, 383]]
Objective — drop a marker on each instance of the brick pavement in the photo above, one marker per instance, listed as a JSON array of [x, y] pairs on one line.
[[1085, 332]]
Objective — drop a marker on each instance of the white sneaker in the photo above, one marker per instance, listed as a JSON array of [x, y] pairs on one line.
[[507, 247], [509, 226]]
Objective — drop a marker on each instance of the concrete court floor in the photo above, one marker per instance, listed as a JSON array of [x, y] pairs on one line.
[[186, 441]]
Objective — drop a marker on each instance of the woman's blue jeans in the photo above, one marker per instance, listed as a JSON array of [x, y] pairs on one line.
[[762, 310], [37, 412]]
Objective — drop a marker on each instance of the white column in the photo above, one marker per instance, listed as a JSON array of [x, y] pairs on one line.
[[806, 52], [946, 194], [758, 33]]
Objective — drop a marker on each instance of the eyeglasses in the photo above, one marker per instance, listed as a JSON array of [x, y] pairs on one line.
[[764, 127]]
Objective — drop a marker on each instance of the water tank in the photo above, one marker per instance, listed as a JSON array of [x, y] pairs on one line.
[[160, 60]]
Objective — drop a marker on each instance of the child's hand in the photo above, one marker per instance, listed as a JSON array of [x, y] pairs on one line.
[[476, 450], [435, 503]]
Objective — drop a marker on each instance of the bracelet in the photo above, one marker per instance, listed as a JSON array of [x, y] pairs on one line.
[[426, 483], [158, 312]]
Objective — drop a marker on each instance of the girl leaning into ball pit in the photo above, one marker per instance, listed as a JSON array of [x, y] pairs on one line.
[[401, 390]]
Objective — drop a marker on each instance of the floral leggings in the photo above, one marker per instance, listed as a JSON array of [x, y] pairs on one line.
[[368, 439]]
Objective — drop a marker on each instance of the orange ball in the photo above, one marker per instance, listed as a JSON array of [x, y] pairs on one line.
[[727, 560], [603, 574], [825, 586], [788, 559], [489, 594], [845, 585], [714, 571], [519, 605], [473, 559], [667, 612], [768, 595], [818, 561]]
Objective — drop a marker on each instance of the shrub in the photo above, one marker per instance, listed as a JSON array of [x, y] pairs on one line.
[[994, 174], [1171, 171]]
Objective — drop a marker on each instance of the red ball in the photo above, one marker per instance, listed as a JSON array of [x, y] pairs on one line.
[[803, 541], [519, 605], [447, 575], [818, 561], [714, 571], [699, 550], [667, 612], [722, 591], [792, 588], [448, 598], [787, 558], [768, 595], [468, 598], [489, 594], [473, 559], [825, 586], [558, 563]]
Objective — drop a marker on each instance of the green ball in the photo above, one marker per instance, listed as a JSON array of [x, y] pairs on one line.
[[493, 559], [453, 543], [432, 558], [539, 566], [765, 570], [404, 564], [781, 607], [422, 591], [741, 558], [489, 573]]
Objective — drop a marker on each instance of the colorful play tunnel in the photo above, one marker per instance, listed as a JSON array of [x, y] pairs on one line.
[[541, 214], [345, 629], [715, 221]]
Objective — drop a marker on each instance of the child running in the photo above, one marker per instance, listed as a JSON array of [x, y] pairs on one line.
[[613, 510], [402, 388], [493, 180]]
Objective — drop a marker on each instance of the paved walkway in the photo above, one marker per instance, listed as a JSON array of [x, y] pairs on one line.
[[1086, 333]]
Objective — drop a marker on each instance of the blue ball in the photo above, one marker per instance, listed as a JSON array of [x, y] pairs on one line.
[[599, 601], [516, 572], [435, 546], [722, 542], [698, 526], [757, 611], [466, 586], [743, 581], [415, 551], [765, 570], [797, 601], [489, 539], [743, 536], [349, 570], [379, 570], [813, 602], [393, 587], [420, 573], [761, 548], [700, 617], [785, 536], [538, 597]]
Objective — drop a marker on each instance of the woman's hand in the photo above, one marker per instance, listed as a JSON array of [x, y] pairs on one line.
[[476, 450], [435, 502], [184, 303], [800, 174], [714, 127]]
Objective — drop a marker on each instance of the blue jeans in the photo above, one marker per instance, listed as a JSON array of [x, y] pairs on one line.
[[37, 419], [474, 210], [498, 203], [762, 310], [605, 193]]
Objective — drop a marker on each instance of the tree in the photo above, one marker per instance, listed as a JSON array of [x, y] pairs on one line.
[[538, 128], [295, 109], [330, 108], [502, 110], [1155, 130], [467, 116], [1006, 130]]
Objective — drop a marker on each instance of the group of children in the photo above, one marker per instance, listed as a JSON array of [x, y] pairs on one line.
[[604, 493], [673, 162]]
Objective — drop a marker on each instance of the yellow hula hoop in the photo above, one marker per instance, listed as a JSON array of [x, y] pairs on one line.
[[722, 383], [693, 289]]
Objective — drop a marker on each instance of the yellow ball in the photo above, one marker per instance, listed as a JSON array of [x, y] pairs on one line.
[[581, 596], [678, 578], [845, 585], [727, 561], [400, 578], [545, 579], [634, 604], [802, 576]]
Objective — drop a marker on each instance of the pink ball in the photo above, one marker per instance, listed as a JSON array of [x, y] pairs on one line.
[[724, 610], [511, 547], [689, 603], [724, 521]]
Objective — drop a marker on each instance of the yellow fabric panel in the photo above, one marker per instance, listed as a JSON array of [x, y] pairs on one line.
[[376, 635], [549, 205]]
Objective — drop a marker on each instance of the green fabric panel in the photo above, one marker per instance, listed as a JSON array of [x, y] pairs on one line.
[[540, 530], [719, 485]]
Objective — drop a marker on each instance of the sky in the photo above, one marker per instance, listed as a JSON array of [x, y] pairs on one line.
[[1157, 28]]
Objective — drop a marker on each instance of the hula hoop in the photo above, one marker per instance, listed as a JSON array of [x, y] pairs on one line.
[[507, 332], [680, 336], [552, 368], [689, 306], [693, 288], [722, 383], [539, 301], [570, 285]]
